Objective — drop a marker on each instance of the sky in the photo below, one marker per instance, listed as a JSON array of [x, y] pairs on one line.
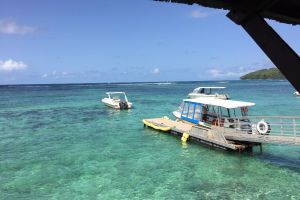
[[99, 41]]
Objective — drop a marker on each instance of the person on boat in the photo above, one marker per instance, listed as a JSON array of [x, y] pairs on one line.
[[204, 113], [244, 111]]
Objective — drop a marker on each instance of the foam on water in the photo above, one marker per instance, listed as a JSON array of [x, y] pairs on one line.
[[60, 142]]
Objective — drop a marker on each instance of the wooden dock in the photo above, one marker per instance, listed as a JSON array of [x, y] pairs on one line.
[[202, 135], [218, 136]]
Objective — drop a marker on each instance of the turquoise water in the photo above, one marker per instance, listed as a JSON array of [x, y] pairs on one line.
[[60, 142]]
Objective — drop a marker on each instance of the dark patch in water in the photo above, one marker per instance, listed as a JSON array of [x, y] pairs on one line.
[[282, 161]]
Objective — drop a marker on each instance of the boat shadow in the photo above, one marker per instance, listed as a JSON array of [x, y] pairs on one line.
[[279, 160]]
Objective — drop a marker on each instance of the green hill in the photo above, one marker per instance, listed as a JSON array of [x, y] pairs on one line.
[[272, 73]]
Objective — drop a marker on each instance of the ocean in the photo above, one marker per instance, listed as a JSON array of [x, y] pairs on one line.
[[60, 142]]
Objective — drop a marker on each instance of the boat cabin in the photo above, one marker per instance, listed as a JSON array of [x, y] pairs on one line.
[[213, 111], [117, 96], [217, 92]]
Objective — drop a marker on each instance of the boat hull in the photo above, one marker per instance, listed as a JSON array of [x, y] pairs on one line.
[[114, 104]]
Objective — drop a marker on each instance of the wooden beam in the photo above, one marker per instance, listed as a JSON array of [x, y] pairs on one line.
[[279, 52], [244, 9]]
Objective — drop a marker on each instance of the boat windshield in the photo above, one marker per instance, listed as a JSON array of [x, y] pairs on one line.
[[191, 112], [208, 91], [118, 96], [180, 107], [201, 91]]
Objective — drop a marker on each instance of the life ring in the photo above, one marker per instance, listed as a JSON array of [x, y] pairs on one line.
[[263, 127]]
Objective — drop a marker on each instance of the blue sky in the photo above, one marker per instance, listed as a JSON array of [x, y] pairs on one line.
[[77, 41]]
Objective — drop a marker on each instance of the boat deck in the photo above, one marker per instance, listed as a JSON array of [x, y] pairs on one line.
[[174, 125]]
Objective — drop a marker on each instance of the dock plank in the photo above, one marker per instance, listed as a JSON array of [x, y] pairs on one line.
[[174, 125]]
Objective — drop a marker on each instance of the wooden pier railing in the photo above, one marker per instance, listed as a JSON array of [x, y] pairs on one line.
[[280, 130], [239, 134]]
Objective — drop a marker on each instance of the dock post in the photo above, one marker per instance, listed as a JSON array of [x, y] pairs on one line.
[[260, 147]]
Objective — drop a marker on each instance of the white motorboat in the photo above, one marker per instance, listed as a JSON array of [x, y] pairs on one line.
[[219, 112], [117, 100], [216, 92], [296, 93]]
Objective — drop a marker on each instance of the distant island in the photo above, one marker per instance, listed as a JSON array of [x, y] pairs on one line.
[[271, 73]]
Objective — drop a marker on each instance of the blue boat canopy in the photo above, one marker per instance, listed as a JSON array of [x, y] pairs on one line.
[[191, 111]]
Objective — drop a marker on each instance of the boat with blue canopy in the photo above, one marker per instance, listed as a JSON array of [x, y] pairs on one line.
[[214, 111]]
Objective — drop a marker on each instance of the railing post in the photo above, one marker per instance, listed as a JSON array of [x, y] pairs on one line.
[[238, 124], [294, 124], [281, 130]]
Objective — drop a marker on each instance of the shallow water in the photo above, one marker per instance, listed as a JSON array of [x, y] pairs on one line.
[[60, 142]]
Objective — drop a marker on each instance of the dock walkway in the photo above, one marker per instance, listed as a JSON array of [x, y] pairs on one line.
[[195, 133], [219, 136]]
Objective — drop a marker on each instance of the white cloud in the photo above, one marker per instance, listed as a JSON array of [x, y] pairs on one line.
[[155, 71], [198, 14], [45, 75], [11, 65], [215, 72], [58, 75], [11, 27]]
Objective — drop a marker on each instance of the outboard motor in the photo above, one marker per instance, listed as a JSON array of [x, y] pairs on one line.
[[123, 105]]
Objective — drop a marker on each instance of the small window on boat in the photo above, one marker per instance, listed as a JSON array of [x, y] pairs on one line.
[[206, 107], [191, 111], [197, 115], [225, 112], [208, 91], [185, 110], [212, 110], [180, 108]]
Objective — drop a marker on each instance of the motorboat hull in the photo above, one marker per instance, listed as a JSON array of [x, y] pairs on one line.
[[115, 104]]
